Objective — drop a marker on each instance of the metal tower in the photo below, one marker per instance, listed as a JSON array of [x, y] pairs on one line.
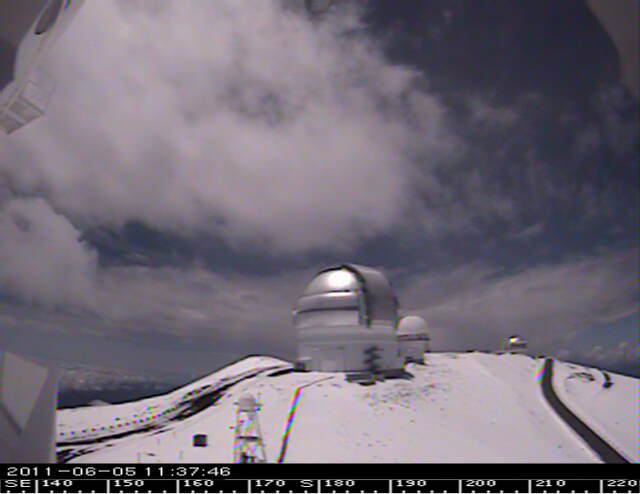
[[248, 446]]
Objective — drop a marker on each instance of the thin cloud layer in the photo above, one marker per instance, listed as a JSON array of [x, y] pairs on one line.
[[476, 306], [199, 305], [624, 356], [471, 306]]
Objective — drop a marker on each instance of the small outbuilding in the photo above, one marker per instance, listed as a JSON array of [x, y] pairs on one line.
[[413, 338], [199, 440]]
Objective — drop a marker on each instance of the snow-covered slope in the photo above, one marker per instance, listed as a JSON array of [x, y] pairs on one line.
[[591, 395], [471, 407]]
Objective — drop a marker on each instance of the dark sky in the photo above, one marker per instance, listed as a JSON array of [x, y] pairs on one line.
[[200, 161]]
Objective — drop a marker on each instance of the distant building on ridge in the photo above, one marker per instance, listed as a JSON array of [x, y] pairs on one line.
[[514, 344]]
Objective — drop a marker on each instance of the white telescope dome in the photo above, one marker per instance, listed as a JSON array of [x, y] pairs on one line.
[[343, 312], [413, 326], [413, 336]]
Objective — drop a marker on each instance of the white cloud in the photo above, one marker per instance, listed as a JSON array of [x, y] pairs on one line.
[[42, 258], [239, 117], [485, 113], [243, 119], [528, 232]]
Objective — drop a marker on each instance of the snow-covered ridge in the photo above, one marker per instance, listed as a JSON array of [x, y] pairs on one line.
[[471, 407], [79, 425]]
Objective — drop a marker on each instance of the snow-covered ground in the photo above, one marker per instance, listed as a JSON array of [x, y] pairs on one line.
[[470, 407], [609, 406]]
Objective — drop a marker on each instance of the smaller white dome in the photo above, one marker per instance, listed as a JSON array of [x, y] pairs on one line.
[[413, 326]]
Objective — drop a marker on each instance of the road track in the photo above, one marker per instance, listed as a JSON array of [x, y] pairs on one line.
[[606, 453]]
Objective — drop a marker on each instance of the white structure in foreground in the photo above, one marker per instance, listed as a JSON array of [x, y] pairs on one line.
[[28, 396], [248, 445], [515, 344], [28, 29], [346, 320], [413, 337]]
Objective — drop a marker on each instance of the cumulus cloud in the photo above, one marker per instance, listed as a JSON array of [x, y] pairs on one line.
[[42, 258], [285, 133], [241, 118]]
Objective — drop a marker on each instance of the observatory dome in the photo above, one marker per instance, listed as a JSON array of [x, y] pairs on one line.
[[413, 327], [346, 319], [515, 343], [413, 336]]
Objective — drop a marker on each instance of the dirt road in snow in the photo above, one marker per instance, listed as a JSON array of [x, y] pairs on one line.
[[599, 446]]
